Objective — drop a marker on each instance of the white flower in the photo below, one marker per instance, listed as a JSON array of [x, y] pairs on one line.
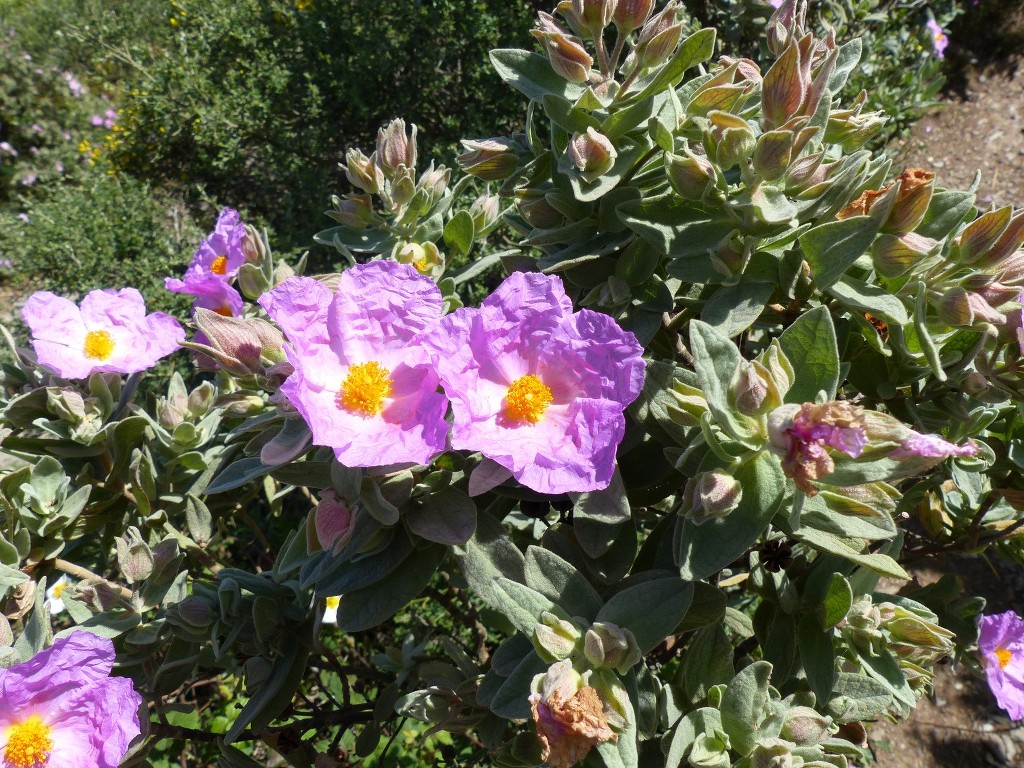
[[331, 610], [53, 594]]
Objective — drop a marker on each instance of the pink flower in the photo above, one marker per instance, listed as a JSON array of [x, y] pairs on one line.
[[110, 332], [939, 39], [217, 261], [1001, 645], [96, 120], [62, 707], [364, 380], [217, 295], [932, 447], [536, 388], [7, 149], [805, 434]]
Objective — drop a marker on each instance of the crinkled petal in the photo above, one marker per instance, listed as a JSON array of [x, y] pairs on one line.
[[299, 306], [379, 306], [932, 447], [606, 361], [523, 295], [53, 318], [108, 308]]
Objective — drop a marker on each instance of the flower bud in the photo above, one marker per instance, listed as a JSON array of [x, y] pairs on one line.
[[363, 172], [1013, 270], [731, 137], [354, 211], [554, 638], [401, 191], [992, 291], [805, 726], [434, 181], [134, 557], [426, 258], [567, 55], [631, 14], [252, 281], [334, 521], [607, 645], [961, 308], [912, 200], [253, 247], [241, 404], [1006, 244], [489, 159], [592, 154], [395, 149], [975, 384], [195, 612], [538, 212], [594, 15], [779, 369], [239, 344], [200, 400], [485, 211], [753, 392], [710, 750], [773, 753], [786, 24], [168, 415], [710, 495], [658, 38], [690, 175], [568, 11], [785, 87], [895, 255]]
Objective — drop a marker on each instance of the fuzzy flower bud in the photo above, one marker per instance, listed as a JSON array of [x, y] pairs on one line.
[[592, 153], [354, 211], [554, 638], [394, 148], [960, 307], [690, 175], [363, 172], [434, 181], [594, 15], [334, 521], [753, 391], [485, 211], [253, 247], [710, 750], [489, 159], [805, 726], [607, 645], [631, 14], [731, 137], [658, 38], [567, 55], [534, 207], [895, 255], [710, 495], [911, 202]]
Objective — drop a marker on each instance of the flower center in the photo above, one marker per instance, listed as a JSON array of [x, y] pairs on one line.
[[333, 602], [219, 266], [365, 388], [29, 744], [224, 311], [58, 589], [1003, 655], [98, 345], [527, 399]]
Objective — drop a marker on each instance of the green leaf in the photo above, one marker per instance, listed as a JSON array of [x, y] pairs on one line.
[[708, 662], [946, 211], [650, 610], [637, 264], [570, 118], [531, 74], [367, 570], [598, 516], [237, 474], [512, 700], [743, 705], [831, 248], [858, 697], [705, 549], [488, 554], [810, 345], [365, 608], [733, 309], [675, 227], [694, 724], [560, 582], [459, 233], [448, 517], [522, 605], [831, 544], [818, 655], [274, 695], [624, 120], [857, 295], [837, 602], [717, 361]]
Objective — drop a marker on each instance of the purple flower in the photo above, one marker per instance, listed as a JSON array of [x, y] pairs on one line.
[[538, 389], [24, 217], [932, 447], [1001, 644], [7, 149], [76, 87], [37, 128], [217, 261], [364, 379], [6, 264], [939, 39], [217, 295], [775, 3], [96, 120], [62, 707], [29, 179], [110, 332]]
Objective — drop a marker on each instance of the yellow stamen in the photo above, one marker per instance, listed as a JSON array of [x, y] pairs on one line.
[[527, 399], [333, 602], [365, 388], [1003, 655], [58, 589], [219, 266], [98, 345], [29, 744], [422, 266], [225, 311]]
